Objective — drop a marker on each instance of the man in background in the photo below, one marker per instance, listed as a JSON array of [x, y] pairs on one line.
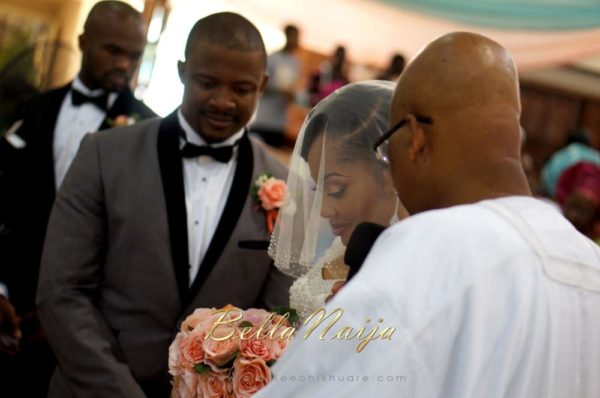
[[395, 68], [35, 155], [283, 69]]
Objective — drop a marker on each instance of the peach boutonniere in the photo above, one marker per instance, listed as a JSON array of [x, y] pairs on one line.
[[269, 193], [123, 120]]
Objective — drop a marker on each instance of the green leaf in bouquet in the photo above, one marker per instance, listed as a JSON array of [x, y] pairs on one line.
[[271, 362], [230, 363], [202, 368], [293, 314], [245, 324]]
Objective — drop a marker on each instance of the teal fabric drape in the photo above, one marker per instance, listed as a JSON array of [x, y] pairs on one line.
[[511, 14]]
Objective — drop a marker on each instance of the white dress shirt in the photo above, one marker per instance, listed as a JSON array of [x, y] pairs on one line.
[[74, 122], [207, 184], [496, 299]]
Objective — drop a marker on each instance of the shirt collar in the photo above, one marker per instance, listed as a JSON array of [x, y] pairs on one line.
[[83, 89], [194, 138]]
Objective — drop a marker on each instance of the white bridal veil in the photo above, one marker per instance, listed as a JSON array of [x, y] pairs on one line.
[[338, 132]]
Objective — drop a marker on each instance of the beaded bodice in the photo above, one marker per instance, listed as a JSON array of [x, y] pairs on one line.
[[308, 293]]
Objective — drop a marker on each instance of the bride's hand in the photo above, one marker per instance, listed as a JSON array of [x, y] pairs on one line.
[[336, 288]]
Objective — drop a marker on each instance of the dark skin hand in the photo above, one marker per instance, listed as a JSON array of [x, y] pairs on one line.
[[336, 288], [10, 333]]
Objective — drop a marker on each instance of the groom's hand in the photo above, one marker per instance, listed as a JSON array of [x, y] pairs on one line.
[[10, 333]]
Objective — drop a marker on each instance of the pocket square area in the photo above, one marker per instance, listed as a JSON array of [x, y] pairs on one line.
[[11, 135]]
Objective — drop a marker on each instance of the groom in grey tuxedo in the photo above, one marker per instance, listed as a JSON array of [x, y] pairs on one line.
[[155, 220]]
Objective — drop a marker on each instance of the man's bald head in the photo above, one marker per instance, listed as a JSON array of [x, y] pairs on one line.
[[468, 85], [112, 43], [469, 69], [228, 30], [102, 11]]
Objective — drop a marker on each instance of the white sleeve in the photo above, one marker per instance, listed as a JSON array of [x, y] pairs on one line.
[[332, 367]]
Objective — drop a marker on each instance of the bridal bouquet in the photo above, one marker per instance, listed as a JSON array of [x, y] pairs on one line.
[[227, 352]]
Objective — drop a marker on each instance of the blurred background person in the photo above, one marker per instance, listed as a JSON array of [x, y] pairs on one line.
[[332, 75], [577, 149], [36, 154], [397, 63], [283, 68], [578, 193]]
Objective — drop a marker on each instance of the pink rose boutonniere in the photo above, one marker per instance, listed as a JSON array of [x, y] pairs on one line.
[[123, 120], [269, 193]]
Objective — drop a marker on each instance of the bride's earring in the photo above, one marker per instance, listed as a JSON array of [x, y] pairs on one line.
[[394, 218]]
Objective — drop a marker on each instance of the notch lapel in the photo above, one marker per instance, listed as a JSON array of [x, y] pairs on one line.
[[43, 142], [240, 189], [171, 170]]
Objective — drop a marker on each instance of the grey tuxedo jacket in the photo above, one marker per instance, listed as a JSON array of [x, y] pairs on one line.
[[114, 286]]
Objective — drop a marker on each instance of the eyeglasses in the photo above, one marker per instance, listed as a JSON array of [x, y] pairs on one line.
[[381, 145]]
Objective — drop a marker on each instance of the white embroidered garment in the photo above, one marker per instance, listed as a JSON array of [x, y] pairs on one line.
[[207, 184], [308, 293], [495, 299], [72, 124]]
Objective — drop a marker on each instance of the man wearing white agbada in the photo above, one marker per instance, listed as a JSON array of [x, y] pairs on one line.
[[492, 293]]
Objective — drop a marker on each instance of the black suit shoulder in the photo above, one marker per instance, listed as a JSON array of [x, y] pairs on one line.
[[127, 104], [47, 96], [39, 112]]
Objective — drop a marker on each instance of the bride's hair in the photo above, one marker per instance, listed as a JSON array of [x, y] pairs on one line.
[[349, 121], [354, 117]]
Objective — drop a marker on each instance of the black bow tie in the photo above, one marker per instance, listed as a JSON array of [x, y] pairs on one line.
[[79, 98], [221, 154]]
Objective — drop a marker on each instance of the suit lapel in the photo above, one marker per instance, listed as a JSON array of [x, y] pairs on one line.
[[171, 171], [236, 200], [44, 148], [122, 106]]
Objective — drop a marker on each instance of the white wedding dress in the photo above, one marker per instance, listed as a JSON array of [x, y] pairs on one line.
[[308, 293]]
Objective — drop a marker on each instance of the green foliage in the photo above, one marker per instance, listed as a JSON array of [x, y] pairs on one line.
[[293, 314], [245, 324], [202, 368], [257, 184]]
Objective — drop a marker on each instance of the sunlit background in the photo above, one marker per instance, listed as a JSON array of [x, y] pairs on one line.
[[556, 44]]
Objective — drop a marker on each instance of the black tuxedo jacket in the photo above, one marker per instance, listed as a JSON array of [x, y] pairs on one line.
[[27, 188]]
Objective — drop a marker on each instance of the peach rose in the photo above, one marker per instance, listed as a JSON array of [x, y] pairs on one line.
[[257, 348], [174, 356], [122, 120], [219, 352], [272, 193], [214, 385], [249, 376], [277, 347], [184, 386], [255, 316], [191, 348], [200, 315]]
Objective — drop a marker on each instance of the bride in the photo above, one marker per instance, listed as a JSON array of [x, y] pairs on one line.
[[335, 183]]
